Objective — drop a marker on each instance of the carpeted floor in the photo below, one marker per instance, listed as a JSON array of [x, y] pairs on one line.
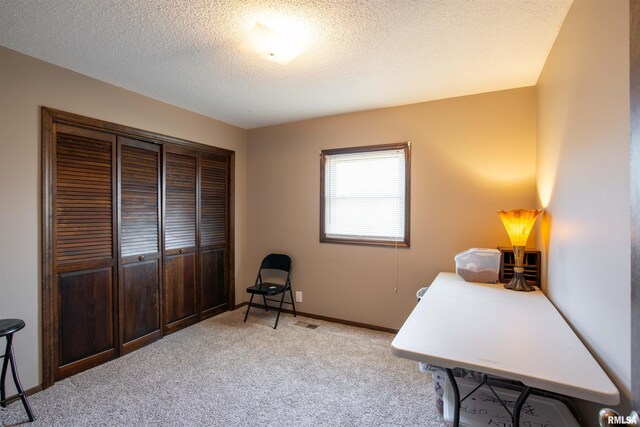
[[222, 372]]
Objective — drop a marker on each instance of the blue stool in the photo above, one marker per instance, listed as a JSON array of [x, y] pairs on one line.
[[8, 327]]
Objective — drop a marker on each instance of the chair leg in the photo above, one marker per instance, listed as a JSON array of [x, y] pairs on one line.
[[16, 380], [264, 299], [248, 308], [293, 302], [279, 310]]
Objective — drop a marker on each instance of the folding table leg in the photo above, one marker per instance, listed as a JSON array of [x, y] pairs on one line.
[[456, 397], [515, 416], [524, 394]]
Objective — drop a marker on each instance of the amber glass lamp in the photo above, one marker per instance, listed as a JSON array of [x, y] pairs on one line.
[[519, 223]]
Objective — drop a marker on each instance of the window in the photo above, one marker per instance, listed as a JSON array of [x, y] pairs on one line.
[[364, 195]]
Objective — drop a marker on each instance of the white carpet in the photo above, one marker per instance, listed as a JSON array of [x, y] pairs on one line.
[[223, 372]]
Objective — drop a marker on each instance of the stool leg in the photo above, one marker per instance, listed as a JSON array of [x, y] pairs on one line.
[[3, 376], [16, 380]]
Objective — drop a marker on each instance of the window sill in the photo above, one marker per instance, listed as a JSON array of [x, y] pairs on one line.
[[367, 242]]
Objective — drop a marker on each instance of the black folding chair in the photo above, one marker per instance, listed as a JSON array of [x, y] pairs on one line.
[[267, 289]]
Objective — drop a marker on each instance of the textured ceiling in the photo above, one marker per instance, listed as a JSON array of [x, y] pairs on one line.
[[364, 54]]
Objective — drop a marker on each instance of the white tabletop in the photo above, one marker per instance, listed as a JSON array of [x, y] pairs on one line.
[[516, 335]]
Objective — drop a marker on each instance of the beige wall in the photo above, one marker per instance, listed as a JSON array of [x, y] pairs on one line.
[[470, 156], [25, 85], [583, 179]]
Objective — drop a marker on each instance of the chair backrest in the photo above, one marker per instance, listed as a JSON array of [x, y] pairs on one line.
[[276, 262]]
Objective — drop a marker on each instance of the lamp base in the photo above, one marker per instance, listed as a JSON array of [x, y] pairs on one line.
[[519, 283]]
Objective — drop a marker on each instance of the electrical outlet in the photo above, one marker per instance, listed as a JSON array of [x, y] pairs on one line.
[[298, 296]]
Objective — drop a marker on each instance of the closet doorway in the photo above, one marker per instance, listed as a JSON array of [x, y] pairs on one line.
[[137, 239]]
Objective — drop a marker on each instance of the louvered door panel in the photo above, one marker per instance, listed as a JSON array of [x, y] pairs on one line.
[[180, 213], [84, 199], [214, 181], [140, 263], [84, 232], [213, 214], [180, 279], [139, 200]]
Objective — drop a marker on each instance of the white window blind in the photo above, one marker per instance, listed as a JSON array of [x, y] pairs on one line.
[[365, 195]]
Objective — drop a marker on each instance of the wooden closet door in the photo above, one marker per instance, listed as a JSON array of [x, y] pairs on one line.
[[139, 236], [214, 202], [83, 249], [180, 273]]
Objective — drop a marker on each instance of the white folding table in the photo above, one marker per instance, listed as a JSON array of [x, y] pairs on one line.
[[515, 335]]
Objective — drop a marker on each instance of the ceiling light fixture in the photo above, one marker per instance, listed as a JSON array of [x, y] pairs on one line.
[[274, 45]]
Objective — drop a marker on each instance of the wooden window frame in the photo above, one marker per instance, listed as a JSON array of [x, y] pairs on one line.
[[406, 147]]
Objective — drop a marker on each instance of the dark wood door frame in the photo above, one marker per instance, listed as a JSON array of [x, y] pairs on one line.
[[49, 117], [634, 98]]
